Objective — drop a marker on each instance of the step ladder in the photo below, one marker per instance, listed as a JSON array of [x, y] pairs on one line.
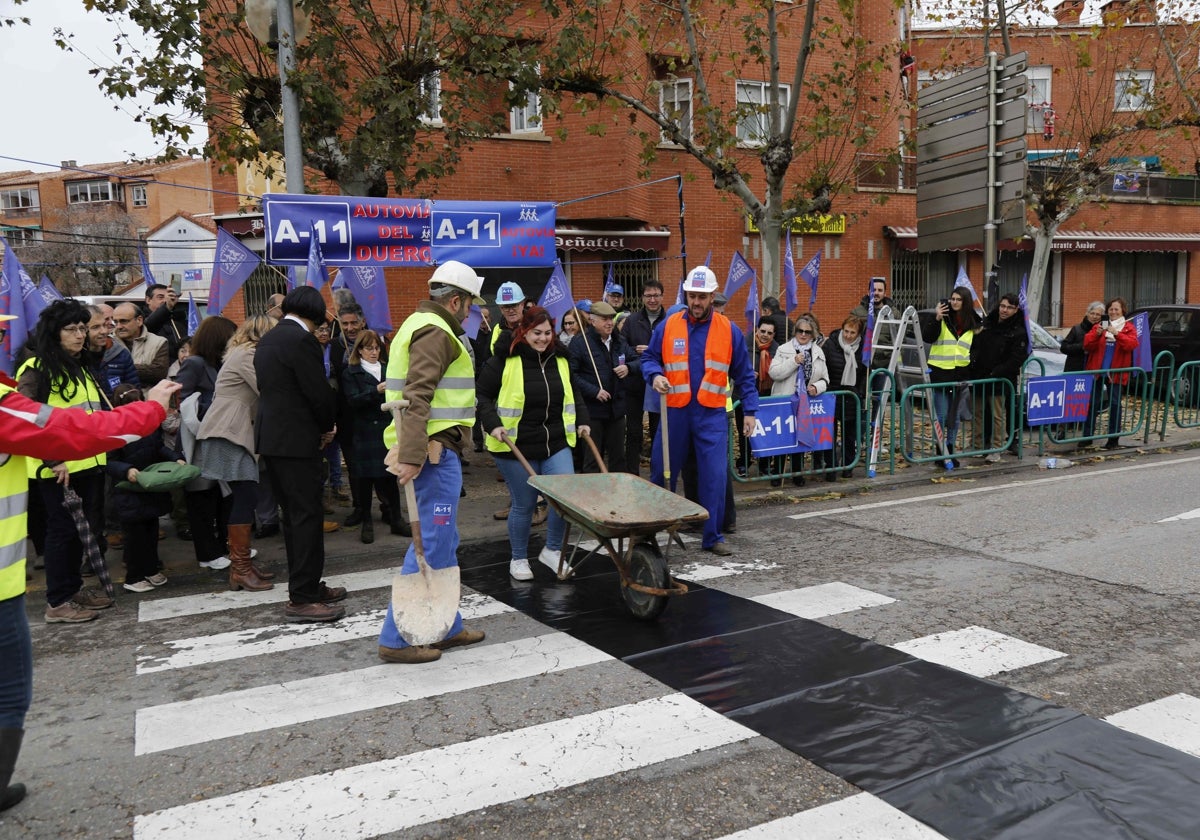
[[900, 338]]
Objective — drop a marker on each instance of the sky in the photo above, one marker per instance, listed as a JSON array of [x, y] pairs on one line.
[[54, 110]]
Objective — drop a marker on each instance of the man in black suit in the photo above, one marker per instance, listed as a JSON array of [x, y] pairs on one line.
[[295, 420]]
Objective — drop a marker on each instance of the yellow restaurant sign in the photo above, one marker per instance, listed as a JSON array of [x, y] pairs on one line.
[[814, 225]]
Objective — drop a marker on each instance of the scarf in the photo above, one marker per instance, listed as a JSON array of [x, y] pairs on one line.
[[850, 351], [1117, 324], [804, 352], [764, 364], [373, 368]]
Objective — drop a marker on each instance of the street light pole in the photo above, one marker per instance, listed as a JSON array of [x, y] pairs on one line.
[[293, 149]]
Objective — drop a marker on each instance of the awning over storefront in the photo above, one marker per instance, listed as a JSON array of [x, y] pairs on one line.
[[1075, 241], [635, 238]]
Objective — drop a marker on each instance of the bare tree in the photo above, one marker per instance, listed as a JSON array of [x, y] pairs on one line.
[[85, 250]]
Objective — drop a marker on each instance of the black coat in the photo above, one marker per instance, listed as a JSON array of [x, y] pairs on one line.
[[1072, 346], [1000, 349], [583, 371], [364, 447], [835, 361], [132, 506], [295, 403]]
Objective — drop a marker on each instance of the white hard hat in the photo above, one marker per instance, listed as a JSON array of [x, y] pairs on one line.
[[700, 279], [459, 276], [509, 293]]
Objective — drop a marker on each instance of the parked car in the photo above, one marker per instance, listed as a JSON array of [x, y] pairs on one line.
[[1176, 327], [1045, 347]]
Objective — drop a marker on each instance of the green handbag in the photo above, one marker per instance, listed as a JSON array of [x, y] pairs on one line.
[[161, 477]]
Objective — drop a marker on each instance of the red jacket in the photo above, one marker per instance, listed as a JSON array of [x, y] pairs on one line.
[[1094, 348]]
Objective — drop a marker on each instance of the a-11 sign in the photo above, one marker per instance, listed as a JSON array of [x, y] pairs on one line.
[[408, 232], [1057, 399]]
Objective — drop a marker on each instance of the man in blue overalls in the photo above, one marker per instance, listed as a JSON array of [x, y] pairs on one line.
[[692, 358]]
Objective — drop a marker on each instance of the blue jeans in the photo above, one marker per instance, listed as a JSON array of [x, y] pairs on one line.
[[945, 409], [16, 652], [437, 489], [524, 498], [333, 456]]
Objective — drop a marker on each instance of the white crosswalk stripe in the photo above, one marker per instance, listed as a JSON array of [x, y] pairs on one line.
[[359, 801]]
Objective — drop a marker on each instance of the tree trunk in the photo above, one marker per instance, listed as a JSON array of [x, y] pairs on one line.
[[1043, 238]]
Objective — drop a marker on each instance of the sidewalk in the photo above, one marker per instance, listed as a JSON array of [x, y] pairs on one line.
[[485, 495]]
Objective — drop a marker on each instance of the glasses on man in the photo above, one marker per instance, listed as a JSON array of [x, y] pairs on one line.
[[1006, 305]]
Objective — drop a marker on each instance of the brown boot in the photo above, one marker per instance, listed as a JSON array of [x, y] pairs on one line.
[[241, 571]]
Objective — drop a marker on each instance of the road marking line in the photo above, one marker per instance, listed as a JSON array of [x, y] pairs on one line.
[[1008, 485], [1173, 720], [1191, 514], [978, 651], [217, 716], [400, 793], [707, 571], [858, 817], [823, 600], [274, 638]]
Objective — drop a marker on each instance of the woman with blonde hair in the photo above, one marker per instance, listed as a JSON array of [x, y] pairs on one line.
[[226, 448]]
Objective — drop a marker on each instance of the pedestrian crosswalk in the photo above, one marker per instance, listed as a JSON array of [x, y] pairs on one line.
[[507, 764]]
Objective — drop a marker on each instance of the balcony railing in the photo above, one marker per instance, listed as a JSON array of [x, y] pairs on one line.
[[884, 172]]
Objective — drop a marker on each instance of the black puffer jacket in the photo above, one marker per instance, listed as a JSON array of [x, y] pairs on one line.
[[999, 350], [1072, 345]]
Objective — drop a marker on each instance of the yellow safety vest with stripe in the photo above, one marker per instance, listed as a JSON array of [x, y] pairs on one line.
[[87, 397], [950, 352], [14, 496], [453, 402], [511, 402]]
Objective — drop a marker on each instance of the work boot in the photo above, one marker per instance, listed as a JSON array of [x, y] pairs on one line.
[[242, 574], [413, 655], [10, 747], [355, 518], [399, 523], [460, 639]]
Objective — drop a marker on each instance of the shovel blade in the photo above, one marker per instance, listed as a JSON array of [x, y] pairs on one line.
[[425, 603]]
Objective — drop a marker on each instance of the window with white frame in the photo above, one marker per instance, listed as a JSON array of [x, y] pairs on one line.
[[675, 103], [89, 192], [429, 89], [1132, 90], [753, 101], [1039, 98], [137, 195], [526, 118], [25, 198], [19, 237]]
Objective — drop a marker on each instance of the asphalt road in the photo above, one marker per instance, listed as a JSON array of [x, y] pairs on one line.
[[196, 713]]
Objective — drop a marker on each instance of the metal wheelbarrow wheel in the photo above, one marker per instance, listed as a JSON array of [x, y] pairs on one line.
[[647, 568]]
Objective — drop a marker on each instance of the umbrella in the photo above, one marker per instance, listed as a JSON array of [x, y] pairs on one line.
[[91, 548]]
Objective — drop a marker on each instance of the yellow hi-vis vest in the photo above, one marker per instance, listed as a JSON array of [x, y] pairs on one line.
[[87, 397], [453, 402], [511, 402], [14, 496], [949, 352]]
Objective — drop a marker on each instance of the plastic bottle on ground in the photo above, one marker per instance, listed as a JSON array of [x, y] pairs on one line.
[[1052, 463]]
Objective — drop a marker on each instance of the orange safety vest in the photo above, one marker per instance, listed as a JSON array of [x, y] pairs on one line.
[[718, 352]]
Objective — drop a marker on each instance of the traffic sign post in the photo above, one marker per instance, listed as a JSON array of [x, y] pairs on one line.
[[409, 232]]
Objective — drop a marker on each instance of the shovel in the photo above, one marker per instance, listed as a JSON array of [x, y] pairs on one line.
[[425, 603], [666, 442]]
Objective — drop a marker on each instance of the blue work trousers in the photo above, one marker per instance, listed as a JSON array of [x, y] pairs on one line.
[[706, 431], [16, 675], [437, 489]]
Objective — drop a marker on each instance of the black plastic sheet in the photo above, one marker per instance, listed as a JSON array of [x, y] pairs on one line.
[[971, 758]]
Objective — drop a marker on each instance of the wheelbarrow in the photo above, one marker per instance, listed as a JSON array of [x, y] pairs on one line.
[[624, 514]]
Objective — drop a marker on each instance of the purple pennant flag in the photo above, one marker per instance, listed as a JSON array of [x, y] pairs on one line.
[[810, 274], [473, 322], [339, 281], [193, 315], [1023, 301], [48, 290], [805, 433], [964, 280], [610, 279], [1143, 357], [11, 303], [146, 275], [32, 302], [740, 273], [318, 275], [292, 282], [367, 284], [233, 264], [789, 278], [556, 297], [868, 333], [752, 306]]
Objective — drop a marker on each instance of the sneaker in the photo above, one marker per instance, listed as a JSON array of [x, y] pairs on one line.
[[993, 458], [549, 557], [216, 564], [69, 613], [157, 579], [141, 586], [519, 570], [92, 599]]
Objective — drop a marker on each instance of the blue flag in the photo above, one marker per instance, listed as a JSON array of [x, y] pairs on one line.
[[233, 264], [339, 281], [367, 284], [48, 290], [1021, 299], [810, 274], [868, 336], [963, 280], [292, 282], [790, 298], [32, 302], [12, 303], [610, 279], [556, 297], [318, 275], [146, 275], [473, 322], [193, 315], [752, 307], [1143, 357], [740, 273]]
